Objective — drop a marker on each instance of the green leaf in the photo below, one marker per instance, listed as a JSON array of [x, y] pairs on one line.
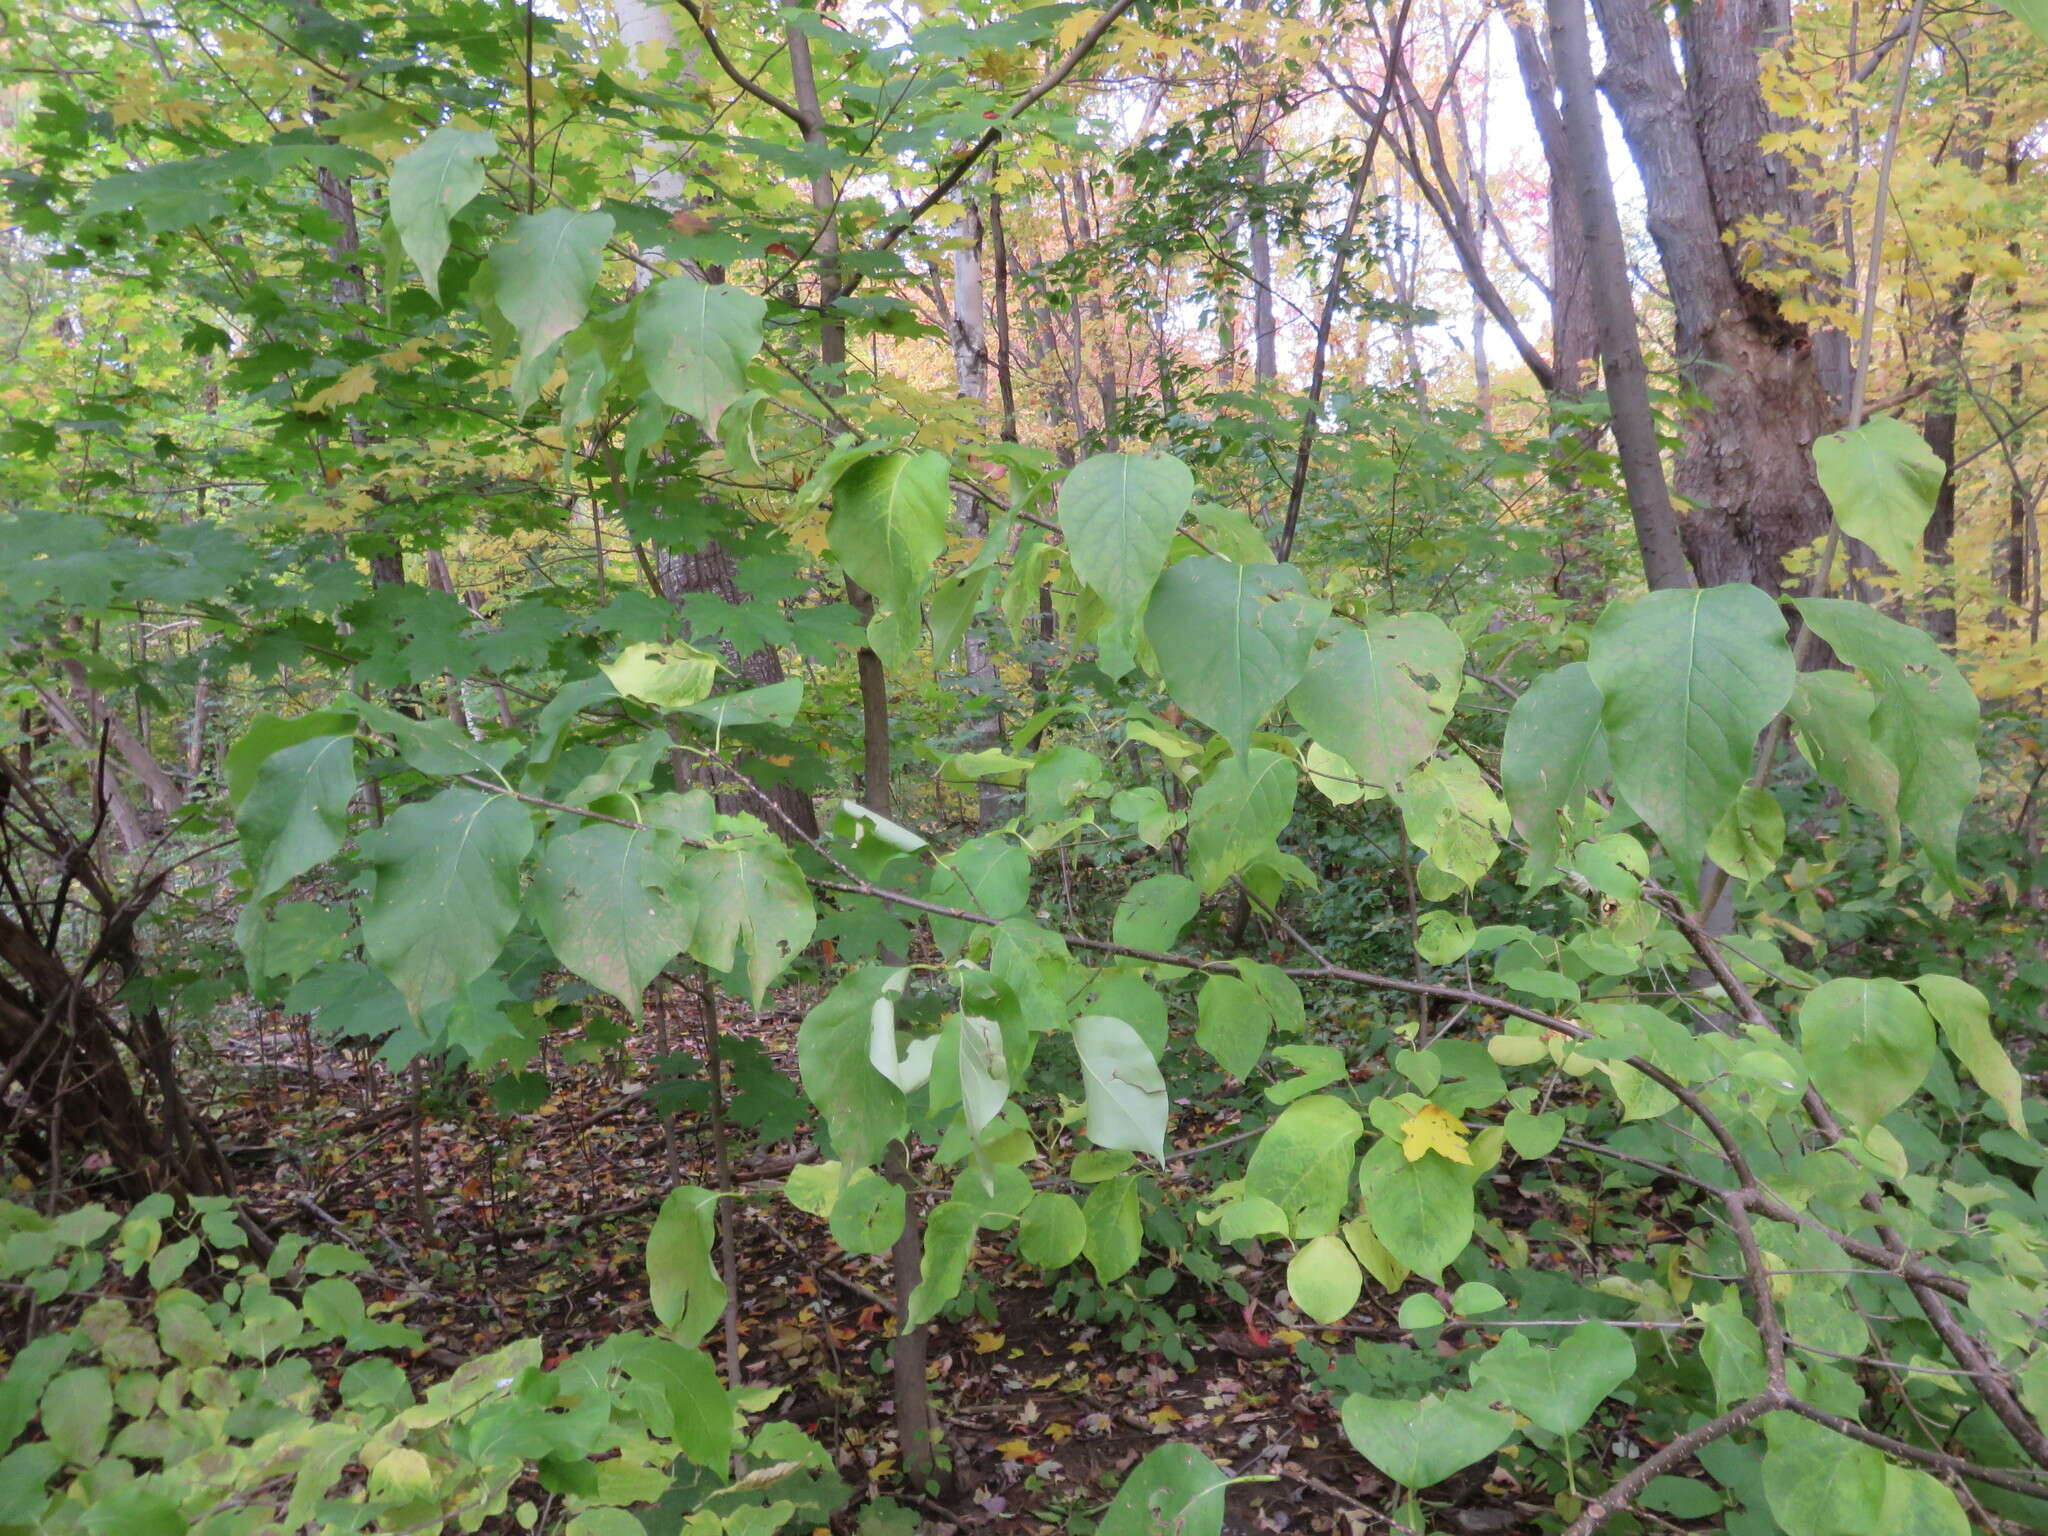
[[1748, 841], [1553, 753], [2033, 14], [430, 184], [1419, 1444], [1422, 1310], [813, 1188], [869, 1214], [78, 1408], [1118, 512], [698, 1411], [1918, 1504], [948, 1249], [1533, 1136], [984, 1070], [863, 1111], [1051, 1230], [1831, 712], [749, 893], [667, 676], [1232, 640], [1153, 912], [1324, 1280], [1115, 1237], [888, 525], [1237, 814], [603, 899], [1174, 1491], [1380, 693], [695, 340], [1925, 720], [1304, 1161], [1820, 1483], [1126, 1095], [1421, 1211], [1882, 480], [25, 1474], [444, 892], [1867, 1043], [541, 276], [289, 783], [1965, 1020], [1733, 1349], [1233, 1024], [1688, 679], [1557, 1389], [683, 1285]]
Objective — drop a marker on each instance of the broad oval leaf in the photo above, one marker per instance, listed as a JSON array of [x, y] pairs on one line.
[[695, 340], [1118, 512], [430, 184], [1232, 640], [1924, 721], [1557, 1389], [1868, 1044], [1304, 1161], [1420, 1443], [1882, 480], [1324, 1280], [888, 525], [1051, 1231], [541, 274], [1126, 1094], [1174, 1489], [1688, 679], [444, 892], [290, 782], [1421, 1211], [749, 895], [604, 902], [1554, 751], [1380, 693]]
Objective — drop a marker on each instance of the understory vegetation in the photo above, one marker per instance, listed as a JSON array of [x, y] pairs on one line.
[[1132, 769]]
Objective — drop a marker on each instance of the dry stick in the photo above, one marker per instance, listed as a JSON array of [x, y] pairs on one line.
[[1333, 290], [721, 1157]]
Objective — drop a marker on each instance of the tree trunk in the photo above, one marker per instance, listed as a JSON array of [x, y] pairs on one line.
[[969, 331], [1745, 465], [1574, 328], [1635, 429], [874, 681]]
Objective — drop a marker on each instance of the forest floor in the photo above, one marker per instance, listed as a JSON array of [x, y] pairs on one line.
[[485, 1226]]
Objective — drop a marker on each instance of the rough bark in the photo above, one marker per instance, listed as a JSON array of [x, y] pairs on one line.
[[1745, 466]]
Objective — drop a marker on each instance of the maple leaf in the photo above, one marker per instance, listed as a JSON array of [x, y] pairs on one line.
[[346, 390], [1434, 1129]]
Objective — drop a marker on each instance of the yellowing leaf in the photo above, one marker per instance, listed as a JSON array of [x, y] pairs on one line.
[[1434, 1129], [1014, 1450], [1164, 1415], [346, 390], [987, 1343], [1058, 1432]]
